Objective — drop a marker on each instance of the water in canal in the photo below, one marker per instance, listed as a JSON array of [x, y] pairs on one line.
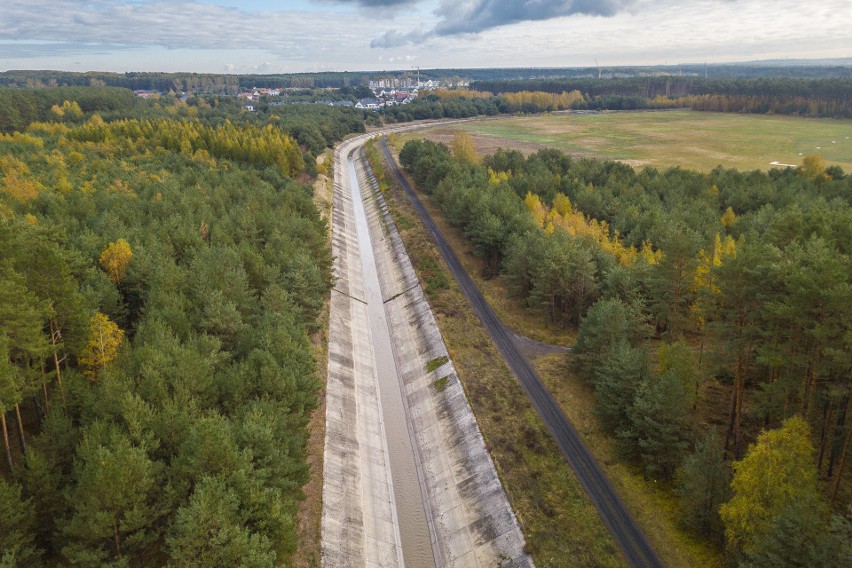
[[414, 533]]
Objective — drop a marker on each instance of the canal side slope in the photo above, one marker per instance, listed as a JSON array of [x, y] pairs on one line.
[[470, 521], [359, 525]]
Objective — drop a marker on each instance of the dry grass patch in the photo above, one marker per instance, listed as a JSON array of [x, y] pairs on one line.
[[561, 526], [689, 139], [652, 504], [309, 519]]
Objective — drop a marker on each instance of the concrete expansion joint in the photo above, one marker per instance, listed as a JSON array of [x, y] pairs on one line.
[[401, 294], [470, 522], [350, 296]]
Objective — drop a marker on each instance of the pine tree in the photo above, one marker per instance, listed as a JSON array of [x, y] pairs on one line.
[[617, 380], [702, 483], [736, 312], [22, 346], [796, 537], [607, 323], [209, 532], [679, 359], [17, 528], [660, 425], [674, 278], [111, 502]]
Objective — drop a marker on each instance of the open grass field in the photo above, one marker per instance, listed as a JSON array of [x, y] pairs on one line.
[[689, 139]]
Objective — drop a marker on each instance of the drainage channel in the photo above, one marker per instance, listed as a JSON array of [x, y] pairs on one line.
[[414, 532]]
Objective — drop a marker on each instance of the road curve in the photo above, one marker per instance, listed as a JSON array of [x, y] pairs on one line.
[[635, 546]]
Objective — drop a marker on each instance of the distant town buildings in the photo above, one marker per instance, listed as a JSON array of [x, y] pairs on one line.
[[393, 83], [388, 91], [370, 104], [147, 94]]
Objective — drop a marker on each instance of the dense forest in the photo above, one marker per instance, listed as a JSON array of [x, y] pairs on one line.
[[224, 84], [714, 323], [825, 97], [201, 83], [160, 273], [162, 265], [813, 98]]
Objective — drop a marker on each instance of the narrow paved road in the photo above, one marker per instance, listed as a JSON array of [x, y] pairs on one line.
[[624, 529]]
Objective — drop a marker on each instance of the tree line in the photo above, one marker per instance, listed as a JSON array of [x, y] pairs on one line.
[[159, 278], [20, 107], [214, 83], [718, 298], [199, 83], [826, 97], [549, 96]]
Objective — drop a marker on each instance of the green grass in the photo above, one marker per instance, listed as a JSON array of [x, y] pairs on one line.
[[435, 363], [442, 383], [688, 139]]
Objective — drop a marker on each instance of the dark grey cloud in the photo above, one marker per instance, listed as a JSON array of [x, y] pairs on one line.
[[473, 16]]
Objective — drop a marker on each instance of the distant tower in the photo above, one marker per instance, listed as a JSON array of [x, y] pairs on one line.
[[598, 66]]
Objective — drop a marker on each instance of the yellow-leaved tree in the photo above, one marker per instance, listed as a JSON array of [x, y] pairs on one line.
[[496, 177], [778, 470], [464, 148], [101, 349], [729, 217], [115, 258], [68, 109], [16, 180], [813, 167], [539, 211]]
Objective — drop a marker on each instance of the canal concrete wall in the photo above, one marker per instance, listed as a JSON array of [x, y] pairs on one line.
[[470, 521], [359, 526]]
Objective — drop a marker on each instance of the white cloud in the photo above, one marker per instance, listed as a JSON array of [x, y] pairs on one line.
[[191, 35], [173, 25]]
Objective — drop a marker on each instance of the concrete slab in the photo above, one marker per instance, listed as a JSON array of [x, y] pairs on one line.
[[359, 525], [470, 522], [469, 513]]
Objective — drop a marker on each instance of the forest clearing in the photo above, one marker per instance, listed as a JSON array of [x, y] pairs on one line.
[[688, 139]]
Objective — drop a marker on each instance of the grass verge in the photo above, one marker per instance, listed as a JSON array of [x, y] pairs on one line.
[[561, 526], [652, 504]]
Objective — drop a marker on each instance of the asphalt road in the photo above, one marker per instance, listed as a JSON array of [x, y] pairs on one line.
[[637, 550]]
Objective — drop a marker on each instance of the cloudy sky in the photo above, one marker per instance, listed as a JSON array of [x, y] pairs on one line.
[[269, 36]]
